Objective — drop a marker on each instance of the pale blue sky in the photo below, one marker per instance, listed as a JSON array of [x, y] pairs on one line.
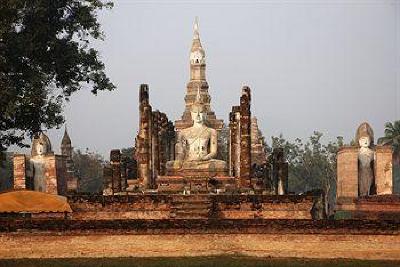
[[311, 65]]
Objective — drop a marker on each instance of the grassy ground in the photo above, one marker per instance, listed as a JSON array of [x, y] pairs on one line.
[[219, 261]]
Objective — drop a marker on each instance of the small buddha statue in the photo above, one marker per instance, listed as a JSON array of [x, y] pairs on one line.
[[366, 158], [41, 147], [196, 146]]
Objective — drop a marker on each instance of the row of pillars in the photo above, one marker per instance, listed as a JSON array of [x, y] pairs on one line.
[[155, 142], [240, 139]]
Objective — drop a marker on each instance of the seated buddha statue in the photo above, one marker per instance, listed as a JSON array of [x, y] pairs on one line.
[[196, 146]]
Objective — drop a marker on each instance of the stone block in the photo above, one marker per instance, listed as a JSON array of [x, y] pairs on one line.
[[168, 184]]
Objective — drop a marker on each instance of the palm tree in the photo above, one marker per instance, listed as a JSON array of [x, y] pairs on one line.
[[392, 137]]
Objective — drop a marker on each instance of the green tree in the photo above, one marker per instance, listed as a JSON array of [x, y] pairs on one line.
[[312, 165], [89, 169], [45, 56], [392, 137]]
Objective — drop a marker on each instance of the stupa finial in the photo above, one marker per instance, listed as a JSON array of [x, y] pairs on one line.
[[196, 34]]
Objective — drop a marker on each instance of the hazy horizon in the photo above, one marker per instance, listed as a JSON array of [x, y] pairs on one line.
[[311, 65]]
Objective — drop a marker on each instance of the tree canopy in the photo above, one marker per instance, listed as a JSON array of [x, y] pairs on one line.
[[312, 165], [392, 137], [45, 56], [89, 169]]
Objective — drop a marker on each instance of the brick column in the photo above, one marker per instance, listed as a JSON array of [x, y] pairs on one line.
[[124, 174], [347, 173], [143, 140], [155, 147], [383, 170], [245, 139], [171, 141], [115, 159], [20, 175], [164, 143], [61, 175], [234, 142]]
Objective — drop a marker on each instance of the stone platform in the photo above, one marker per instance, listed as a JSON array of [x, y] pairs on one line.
[[376, 207], [193, 206]]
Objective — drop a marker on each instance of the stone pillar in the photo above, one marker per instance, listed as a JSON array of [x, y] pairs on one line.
[[21, 181], [164, 143], [115, 159], [171, 141], [124, 174], [59, 182], [231, 144], [245, 139], [383, 170], [280, 172], [347, 174], [234, 142], [143, 141], [155, 147]]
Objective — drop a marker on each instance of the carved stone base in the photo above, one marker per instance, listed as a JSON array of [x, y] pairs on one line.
[[198, 173], [178, 184]]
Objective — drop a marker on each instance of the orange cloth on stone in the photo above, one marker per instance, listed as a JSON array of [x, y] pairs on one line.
[[32, 202]]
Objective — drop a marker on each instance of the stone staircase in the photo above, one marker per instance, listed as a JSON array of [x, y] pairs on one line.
[[191, 206]]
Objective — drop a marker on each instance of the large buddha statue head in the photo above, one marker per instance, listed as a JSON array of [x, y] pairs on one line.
[[198, 110], [364, 135], [41, 145]]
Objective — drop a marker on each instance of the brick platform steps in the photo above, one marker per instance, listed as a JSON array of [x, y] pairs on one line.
[[190, 206]]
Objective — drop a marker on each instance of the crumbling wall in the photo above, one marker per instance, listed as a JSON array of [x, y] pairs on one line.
[[258, 154], [154, 141]]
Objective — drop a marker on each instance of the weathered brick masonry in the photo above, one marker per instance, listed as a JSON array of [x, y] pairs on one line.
[[175, 238], [156, 207]]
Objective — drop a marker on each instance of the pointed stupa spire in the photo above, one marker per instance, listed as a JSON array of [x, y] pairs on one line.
[[195, 100], [66, 140], [196, 34], [196, 44]]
